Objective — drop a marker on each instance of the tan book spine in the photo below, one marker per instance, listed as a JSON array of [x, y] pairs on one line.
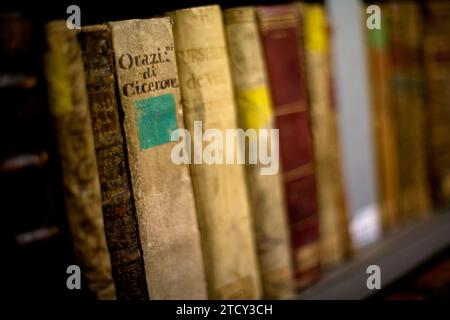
[[220, 191], [332, 207], [265, 191], [407, 85], [378, 41], [68, 103], [150, 99]]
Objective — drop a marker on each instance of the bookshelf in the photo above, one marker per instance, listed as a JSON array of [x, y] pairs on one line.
[[397, 253]]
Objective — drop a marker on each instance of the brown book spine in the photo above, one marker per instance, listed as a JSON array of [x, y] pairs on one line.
[[69, 107], [279, 28], [408, 105], [437, 64], [383, 124], [118, 209]]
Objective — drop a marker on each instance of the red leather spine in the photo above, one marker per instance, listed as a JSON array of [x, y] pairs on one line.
[[281, 38]]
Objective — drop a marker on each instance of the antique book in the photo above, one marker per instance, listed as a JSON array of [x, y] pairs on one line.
[[284, 55], [437, 64], [378, 53], [221, 196], [146, 73], [119, 215], [334, 236], [408, 106], [266, 192], [69, 107]]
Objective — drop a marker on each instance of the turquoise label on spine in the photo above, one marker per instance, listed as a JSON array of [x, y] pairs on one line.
[[156, 120]]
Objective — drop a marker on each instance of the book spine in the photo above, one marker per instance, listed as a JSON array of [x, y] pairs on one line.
[[437, 63], [332, 207], [281, 39], [344, 216], [378, 42], [68, 103], [343, 200], [118, 210], [265, 191], [149, 93], [220, 191], [407, 85]]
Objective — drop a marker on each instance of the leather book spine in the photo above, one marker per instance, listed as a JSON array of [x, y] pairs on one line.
[[284, 55], [121, 228], [408, 105]]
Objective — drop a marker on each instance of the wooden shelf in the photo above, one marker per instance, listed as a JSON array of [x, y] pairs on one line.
[[397, 253]]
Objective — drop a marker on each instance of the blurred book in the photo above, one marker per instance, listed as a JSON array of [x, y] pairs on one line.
[[437, 71], [408, 106], [266, 192], [282, 39], [69, 109], [334, 232]]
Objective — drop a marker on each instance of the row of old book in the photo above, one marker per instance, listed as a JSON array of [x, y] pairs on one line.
[[409, 67], [145, 227]]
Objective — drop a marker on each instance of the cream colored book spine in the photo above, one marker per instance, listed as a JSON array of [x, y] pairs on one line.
[[265, 191], [150, 98], [334, 240], [220, 191]]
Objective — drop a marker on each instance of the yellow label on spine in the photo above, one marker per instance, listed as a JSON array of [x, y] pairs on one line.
[[255, 107], [57, 69], [315, 29]]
